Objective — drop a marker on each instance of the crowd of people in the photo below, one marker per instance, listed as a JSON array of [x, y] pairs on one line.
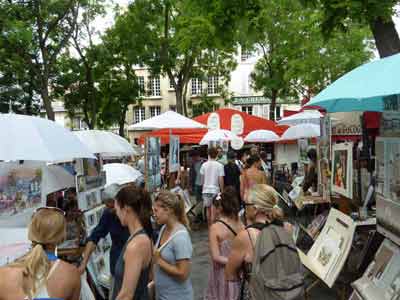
[[151, 250]]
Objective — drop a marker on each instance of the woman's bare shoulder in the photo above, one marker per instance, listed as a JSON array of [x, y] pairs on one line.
[[11, 281]]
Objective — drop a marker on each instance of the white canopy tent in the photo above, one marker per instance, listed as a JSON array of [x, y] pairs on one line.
[[56, 178], [218, 135], [169, 119], [120, 174], [106, 143], [37, 139], [301, 131], [262, 136], [305, 117]]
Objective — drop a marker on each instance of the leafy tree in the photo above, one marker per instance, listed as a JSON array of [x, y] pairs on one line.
[[76, 80], [119, 85], [174, 37], [35, 32], [376, 14], [295, 60]]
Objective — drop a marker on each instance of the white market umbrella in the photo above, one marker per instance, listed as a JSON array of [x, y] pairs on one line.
[[33, 138], [120, 174], [56, 178], [169, 119], [217, 135], [305, 117], [261, 136], [301, 131], [106, 143]]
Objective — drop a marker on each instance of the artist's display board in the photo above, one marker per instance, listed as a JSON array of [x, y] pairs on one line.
[[174, 164], [323, 154], [382, 278], [388, 187], [342, 169], [20, 192], [90, 181], [327, 255], [152, 163]]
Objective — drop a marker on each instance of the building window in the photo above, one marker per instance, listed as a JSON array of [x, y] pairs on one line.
[[155, 111], [141, 85], [247, 109], [154, 86], [277, 112], [197, 86], [79, 124], [212, 85], [172, 107], [139, 114], [245, 54], [171, 84]]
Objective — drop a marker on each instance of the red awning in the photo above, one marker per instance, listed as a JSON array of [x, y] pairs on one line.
[[186, 136]]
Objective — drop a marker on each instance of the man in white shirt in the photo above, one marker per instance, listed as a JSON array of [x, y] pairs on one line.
[[212, 179]]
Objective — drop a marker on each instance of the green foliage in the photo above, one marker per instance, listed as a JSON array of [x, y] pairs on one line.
[[176, 38], [376, 14], [337, 13], [33, 34], [296, 60]]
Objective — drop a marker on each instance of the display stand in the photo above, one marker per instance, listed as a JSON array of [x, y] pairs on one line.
[[382, 278], [329, 252]]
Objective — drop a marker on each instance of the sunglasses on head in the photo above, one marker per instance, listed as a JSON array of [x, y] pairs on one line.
[[51, 208]]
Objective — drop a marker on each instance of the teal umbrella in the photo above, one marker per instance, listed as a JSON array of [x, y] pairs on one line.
[[366, 88]]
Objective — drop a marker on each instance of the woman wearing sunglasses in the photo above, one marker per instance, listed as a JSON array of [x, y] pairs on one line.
[[261, 208], [40, 274]]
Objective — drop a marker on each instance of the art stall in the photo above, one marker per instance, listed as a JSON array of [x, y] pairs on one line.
[[92, 177], [28, 175], [376, 242]]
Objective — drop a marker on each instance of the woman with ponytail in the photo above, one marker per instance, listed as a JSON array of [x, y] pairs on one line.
[[172, 257], [40, 274], [133, 208], [221, 235]]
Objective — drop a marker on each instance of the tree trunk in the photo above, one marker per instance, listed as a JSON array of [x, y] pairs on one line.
[[179, 99], [273, 105], [386, 37], [44, 91], [121, 123]]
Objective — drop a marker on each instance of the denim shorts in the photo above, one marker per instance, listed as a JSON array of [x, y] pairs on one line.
[[207, 199]]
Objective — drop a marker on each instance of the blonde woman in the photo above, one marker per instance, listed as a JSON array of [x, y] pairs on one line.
[[261, 209], [40, 274], [173, 254]]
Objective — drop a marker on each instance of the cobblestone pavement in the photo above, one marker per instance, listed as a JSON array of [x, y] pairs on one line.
[[200, 268]]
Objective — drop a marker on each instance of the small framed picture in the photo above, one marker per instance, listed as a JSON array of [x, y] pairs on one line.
[[81, 183], [90, 219]]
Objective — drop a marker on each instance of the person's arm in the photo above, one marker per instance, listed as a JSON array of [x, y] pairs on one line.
[[236, 257], [89, 248], [202, 175], [242, 186], [214, 249], [180, 271], [221, 183], [134, 258]]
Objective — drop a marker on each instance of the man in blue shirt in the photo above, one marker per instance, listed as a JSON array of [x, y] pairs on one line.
[[108, 224]]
